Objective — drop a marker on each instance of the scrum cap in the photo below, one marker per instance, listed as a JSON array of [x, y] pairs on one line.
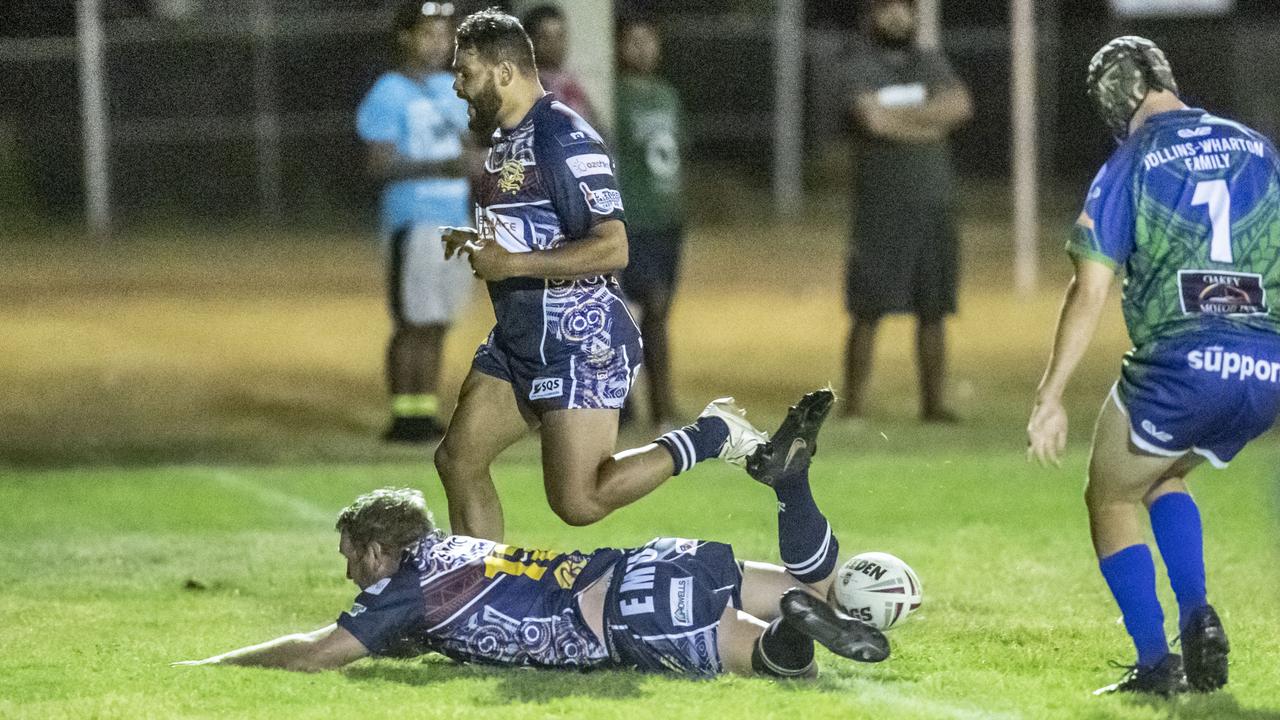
[[1120, 76]]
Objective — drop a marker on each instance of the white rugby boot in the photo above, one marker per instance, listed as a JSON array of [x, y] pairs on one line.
[[743, 439]]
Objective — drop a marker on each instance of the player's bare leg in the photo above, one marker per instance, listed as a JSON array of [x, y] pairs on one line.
[[585, 480], [931, 361], [486, 422], [1123, 479], [858, 355], [764, 583]]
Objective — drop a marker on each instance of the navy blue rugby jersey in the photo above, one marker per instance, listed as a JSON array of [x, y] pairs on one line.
[[546, 182], [480, 601]]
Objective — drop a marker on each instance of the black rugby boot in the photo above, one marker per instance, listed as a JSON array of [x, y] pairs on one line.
[[1205, 648], [798, 430], [1165, 678], [835, 631]]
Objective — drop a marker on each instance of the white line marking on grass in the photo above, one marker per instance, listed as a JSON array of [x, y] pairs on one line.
[[299, 507]]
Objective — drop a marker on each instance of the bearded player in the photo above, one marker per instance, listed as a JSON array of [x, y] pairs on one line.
[[549, 236], [674, 605], [1189, 207]]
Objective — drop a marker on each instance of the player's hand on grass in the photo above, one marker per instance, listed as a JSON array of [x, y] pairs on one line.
[[458, 239], [1047, 432]]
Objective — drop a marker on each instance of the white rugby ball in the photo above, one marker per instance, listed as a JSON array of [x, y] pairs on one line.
[[878, 589]]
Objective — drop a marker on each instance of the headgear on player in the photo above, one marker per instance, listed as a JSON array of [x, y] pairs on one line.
[[1120, 76]]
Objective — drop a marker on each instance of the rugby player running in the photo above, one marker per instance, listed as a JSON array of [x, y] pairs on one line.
[[1189, 206], [673, 605], [549, 235]]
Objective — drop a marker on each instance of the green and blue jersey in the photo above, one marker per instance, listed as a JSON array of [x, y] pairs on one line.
[[1189, 207]]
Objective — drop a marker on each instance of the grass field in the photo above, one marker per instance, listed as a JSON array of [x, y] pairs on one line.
[[182, 420]]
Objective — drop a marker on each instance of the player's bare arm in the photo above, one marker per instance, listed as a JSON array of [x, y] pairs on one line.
[[603, 250], [1085, 298], [324, 649]]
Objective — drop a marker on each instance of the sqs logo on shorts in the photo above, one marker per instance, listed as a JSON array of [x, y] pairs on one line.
[[544, 388]]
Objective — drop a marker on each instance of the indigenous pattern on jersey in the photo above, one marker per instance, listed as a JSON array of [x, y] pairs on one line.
[[562, 343], [663, 608], [1189, 205], [479, 601], [425, 121]]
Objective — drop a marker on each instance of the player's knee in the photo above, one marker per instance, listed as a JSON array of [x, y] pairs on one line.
[[1098, 495], [450, 463], [576, 511]]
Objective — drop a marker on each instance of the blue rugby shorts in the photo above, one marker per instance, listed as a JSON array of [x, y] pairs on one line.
[[1204, 393]]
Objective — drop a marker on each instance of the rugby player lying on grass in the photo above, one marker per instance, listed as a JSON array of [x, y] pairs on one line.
[[676, 605]]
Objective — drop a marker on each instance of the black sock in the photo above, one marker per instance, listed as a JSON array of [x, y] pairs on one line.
[[782, 651]]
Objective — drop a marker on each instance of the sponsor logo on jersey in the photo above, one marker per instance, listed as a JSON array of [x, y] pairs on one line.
[[378, 587], [589, 164], [1221, 292], [1188, 133], [682, 602], [1217, 361], [544, 388], [356, 609], [511, 177], [602, 201], [576, 137]]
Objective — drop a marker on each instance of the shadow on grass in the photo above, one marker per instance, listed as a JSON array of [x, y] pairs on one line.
[[1215, 706], [514, 685]]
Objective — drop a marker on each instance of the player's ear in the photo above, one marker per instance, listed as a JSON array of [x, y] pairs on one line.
[[506, 72]]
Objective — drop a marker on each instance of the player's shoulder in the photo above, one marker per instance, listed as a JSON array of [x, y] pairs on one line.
[[559, 128], [438, 552]]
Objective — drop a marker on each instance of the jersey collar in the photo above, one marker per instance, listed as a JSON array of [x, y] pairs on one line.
[[501, 133]]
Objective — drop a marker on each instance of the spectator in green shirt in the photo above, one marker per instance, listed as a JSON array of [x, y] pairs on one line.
[[649, 176]]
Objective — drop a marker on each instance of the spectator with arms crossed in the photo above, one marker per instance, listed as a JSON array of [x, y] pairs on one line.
[[904, 102]]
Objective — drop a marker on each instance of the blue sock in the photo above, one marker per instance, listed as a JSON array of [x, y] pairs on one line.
[[1175, 519], [694, 443], [1131, 575], [809, 549]]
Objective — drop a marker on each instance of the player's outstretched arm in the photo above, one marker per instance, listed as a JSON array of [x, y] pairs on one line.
[[1085, 298], [324, 649]]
